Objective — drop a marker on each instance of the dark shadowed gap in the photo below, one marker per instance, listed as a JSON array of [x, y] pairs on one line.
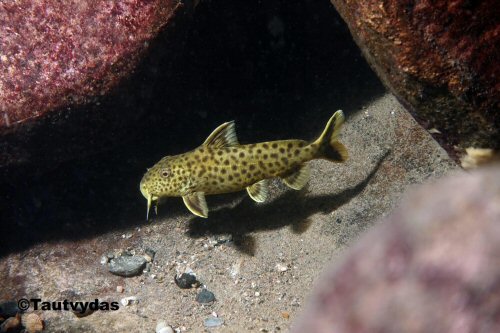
[[278, 68]]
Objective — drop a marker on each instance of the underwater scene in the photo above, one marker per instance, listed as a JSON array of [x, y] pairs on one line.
[[249, 166]]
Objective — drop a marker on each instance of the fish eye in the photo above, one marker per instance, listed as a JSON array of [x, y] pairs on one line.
[[165, 172]]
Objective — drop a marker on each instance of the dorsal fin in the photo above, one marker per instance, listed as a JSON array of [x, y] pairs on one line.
[[223, 136]]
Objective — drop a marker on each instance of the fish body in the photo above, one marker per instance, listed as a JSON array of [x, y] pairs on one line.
[[222, 165]]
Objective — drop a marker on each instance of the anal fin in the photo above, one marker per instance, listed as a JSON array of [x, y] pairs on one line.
[[298, 179], [196, 203], [258, 191]]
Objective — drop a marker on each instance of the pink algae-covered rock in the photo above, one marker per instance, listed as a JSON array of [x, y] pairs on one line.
[[59, 53], [432, 266]]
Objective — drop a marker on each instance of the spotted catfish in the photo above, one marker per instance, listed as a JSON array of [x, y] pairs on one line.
[[222, 165]]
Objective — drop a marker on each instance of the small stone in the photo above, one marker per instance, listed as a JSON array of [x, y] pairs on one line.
[[120, 289], [80, 311], [257, 294], [285, 315], [213, 322], [32, 322], [126, 301], [104, 260], [127, 265], [186, 281], [205, 296], [150, 252], [281, 268], [8, 309], [148, 258], [11, 324], [162, 327]]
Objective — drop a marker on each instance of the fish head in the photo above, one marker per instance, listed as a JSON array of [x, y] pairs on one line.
[[165, 179]]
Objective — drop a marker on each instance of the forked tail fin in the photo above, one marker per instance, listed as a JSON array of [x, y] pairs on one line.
[[329, 148]]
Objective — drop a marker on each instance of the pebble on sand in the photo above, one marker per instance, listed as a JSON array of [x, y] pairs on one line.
[[127, 265], [11, 324], [186, 281], [213, 322], [129, 300], [32, 323], [162, 327], [8, 309], [205, 296]]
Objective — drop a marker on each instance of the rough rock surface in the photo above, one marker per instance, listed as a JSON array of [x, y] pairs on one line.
[[57, 61], [432, 266], [259, 260], [440, 58]]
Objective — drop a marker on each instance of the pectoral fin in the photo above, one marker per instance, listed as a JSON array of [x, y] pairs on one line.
[[196, 203], [298, 179], [258, 191]]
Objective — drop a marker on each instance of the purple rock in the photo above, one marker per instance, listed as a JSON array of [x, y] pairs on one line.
[[432, 266], [57, 61]]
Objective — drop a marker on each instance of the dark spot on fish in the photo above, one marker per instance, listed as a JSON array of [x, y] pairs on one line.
[[242, 154], [290, 145], [274, 145], [244, 163], [244, 171], [230, 177], [235, 150], [226, 162], [237, 174], [202, 150], [265, 146], [282, 150], [265, 156], [259, 151], [209, 168], [296, 152], [284, 160], [220, 152], [189, 164], [214, 182], [216, 168], [273, 155], [252, 166], [302, 144], [221, 179], [223, 171], [205, 158], [234, 167], [262, 165], [202, 171]]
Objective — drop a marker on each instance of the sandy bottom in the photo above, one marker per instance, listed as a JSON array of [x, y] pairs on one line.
[[260, 260]]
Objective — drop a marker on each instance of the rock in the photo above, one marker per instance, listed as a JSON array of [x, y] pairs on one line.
[[205, 297], [126, 301], [441, 59], [60, 61], [151, 253], [127, 265], [32, 322], [186, 281], [162, 327], [432, 266], [281, 268], [8, 309], [12, 324], [213, 322], [119, 289]]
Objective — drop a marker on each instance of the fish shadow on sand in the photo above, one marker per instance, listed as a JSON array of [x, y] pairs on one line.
[[293, 209]]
